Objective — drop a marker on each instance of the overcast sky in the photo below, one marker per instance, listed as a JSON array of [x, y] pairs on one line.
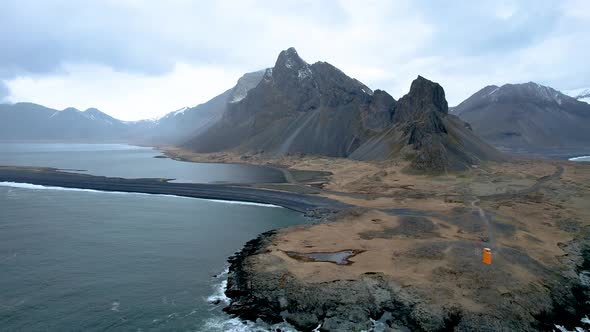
[[138, 59]]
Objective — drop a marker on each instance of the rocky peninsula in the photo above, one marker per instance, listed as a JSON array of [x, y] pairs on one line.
[[414, 244]]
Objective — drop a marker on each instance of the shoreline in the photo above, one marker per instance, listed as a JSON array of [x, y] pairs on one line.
[[290, 175], [306, 204]]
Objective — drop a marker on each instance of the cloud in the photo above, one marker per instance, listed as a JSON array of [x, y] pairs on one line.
[[383, 43], [123, 95], [4, 91]]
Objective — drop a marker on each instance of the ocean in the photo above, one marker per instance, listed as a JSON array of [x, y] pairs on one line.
[[83, 260], [127, 161]]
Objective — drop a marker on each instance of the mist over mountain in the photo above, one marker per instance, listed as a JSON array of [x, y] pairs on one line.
[[181, 125], [528, 117]]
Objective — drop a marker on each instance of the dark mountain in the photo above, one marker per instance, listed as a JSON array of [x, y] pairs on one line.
[[317, 109], [28, 121], [178, 126], [296, 107], [422, 130], [528, 117]]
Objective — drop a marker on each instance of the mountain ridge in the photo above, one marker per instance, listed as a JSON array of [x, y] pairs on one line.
[[526, 116], [29, 121], [298, 108]]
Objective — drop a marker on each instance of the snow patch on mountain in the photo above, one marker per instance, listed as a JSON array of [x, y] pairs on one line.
[[267, 75], [304, 72], [289, 63], [525, 89], [180, 111], [239, 96], [367, 91]]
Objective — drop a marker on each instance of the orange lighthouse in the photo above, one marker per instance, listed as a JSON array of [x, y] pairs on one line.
[[487, 256]]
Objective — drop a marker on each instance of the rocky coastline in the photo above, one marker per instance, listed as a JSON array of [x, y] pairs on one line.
[[354, 305]]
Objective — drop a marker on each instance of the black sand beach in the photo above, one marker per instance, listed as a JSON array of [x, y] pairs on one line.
[[53, 177]]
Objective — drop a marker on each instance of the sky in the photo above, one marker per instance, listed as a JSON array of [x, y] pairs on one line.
[[138, 59]]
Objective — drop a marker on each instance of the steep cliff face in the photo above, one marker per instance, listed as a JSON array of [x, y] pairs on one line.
[[298, 108]]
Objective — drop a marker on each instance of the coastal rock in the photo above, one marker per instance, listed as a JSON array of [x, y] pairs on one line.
[[261, 288]]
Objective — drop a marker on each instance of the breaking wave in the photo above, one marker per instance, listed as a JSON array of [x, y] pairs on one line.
[[40, 187]]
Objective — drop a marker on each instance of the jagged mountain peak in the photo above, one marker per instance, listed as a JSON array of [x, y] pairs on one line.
[[290, 58], [424, 96], [290, 65], [430, 93]]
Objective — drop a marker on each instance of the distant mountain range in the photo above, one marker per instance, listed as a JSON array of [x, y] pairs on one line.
[[27, 121], [301, 108], [527, 117]]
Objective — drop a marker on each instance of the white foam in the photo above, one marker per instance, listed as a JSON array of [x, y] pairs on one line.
[[115, 306], [225, 323], [224, 273], [236, 325], [219, 295], [583, 158], [40, 187], [563, 329], [243, 203]]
